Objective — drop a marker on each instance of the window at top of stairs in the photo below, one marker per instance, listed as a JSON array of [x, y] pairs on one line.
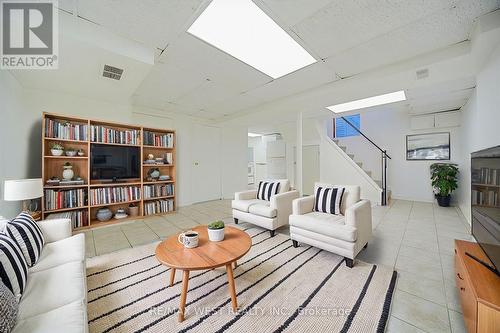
[[342, 129]]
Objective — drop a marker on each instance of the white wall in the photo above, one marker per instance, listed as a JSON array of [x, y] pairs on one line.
[[18, 158], [388, 127], [480, 119]]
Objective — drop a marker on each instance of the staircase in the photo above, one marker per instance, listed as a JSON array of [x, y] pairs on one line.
[[367, 172], [338, 166]]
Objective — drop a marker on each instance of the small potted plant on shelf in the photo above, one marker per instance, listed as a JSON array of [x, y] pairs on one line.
[[216, 231], [444, 181], [56, 149], [71, 152]]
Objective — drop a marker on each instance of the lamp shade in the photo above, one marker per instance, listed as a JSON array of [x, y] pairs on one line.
[[22, 189]]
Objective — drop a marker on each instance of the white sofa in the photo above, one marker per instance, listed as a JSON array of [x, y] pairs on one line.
[[266, 214], [346, 234], [55, 298]]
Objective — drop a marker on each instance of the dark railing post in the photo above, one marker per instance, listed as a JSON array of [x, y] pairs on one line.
[[384, 178]]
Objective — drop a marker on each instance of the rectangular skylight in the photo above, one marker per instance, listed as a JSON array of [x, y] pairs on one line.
[[254, 135], [368, 102], [241, 29]]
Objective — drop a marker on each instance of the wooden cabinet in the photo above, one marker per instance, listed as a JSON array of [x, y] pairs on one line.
[[479, 289]]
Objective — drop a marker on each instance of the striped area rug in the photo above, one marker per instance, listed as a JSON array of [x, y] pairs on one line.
[[280, 289]]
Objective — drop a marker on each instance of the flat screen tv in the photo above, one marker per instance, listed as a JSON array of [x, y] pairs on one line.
[[108, 162], [485, 201]]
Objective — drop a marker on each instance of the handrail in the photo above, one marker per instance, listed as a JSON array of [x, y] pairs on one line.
[[367, 138]]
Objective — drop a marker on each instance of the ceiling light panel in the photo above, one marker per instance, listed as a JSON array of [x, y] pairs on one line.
[[393, 97], [241, 29]]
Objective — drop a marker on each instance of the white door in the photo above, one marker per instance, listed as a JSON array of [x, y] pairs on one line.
[[310, 168], [206, 168]]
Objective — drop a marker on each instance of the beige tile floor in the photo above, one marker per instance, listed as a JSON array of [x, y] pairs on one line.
[[415, 238]]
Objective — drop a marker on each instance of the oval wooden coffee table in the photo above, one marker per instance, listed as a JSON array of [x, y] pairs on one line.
[[207, 255]]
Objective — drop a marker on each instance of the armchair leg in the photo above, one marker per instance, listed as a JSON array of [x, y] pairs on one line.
[[349, 262], [235, 220], [366, 245], [272, 232], [295, 243]]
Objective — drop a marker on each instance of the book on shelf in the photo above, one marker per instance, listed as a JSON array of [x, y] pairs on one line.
[[158, 206], [159, 140], [485, 198], [78, 218], [65, 130], [60, 199], [486, 176], [57, 182], [160, 190], [101, 134], [108, 195]]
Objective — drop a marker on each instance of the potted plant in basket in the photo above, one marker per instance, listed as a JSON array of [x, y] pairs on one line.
[[56, 149], [444, 181], [216, 231]]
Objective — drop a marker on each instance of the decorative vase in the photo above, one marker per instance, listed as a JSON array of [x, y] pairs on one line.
[[81, 153], [133, 211], [70, 153], [68, 172], [56, 152], [443, 201], [104, 214], [216, 235]]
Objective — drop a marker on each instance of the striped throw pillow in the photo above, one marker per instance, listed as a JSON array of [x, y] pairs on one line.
[[267, 189], [13, 267], [28, 235], [328, 199]]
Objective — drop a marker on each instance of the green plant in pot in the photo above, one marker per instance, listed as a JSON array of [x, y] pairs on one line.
[[56, 149], [444, 177], [216, 231]]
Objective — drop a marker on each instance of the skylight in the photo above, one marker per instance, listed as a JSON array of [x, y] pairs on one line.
[[254, 135], [241, 29], [370, 101]]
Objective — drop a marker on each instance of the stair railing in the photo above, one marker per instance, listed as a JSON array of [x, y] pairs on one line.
[[384, 158]]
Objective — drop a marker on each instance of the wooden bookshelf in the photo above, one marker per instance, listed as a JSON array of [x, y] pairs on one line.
[[133, 135]]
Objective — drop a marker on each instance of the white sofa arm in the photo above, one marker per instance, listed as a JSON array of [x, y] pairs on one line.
[[359, 216], [303, 205], [246, 195], [56, 229], [283, 201]]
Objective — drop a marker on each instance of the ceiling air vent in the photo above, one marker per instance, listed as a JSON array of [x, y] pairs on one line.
[[422, 73], [112, 72]]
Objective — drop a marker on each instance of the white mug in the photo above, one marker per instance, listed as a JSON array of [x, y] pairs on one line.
[[189, 239]]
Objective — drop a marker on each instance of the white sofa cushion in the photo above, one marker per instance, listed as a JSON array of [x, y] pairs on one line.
[[325, 224], [61, 252], [263, 209], [244, 205], [52, 288], [70, 318]]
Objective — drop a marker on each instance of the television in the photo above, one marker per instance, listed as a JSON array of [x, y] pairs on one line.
[[485, 201], [108, 162]]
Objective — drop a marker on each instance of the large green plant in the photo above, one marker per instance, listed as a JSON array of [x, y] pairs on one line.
[[444, 178]]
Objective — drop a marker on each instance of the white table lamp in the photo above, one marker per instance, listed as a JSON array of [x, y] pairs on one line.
[[23, 190]]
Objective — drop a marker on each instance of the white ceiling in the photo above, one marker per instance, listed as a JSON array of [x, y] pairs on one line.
[[350, 38]]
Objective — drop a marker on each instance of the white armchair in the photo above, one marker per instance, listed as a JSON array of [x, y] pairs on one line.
[[266, 214], [346, 234]]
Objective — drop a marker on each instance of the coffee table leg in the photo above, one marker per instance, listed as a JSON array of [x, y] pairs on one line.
[[172, 276], [235, 264], [182, 306], [232, 289]]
